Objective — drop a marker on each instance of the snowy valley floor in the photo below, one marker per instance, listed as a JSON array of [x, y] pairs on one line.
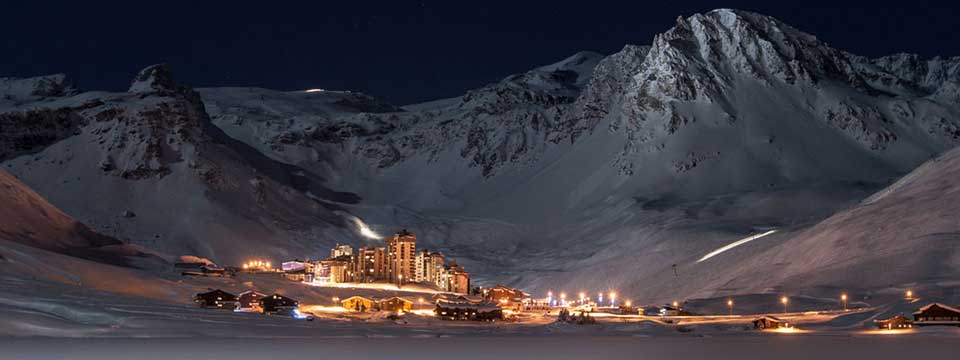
[[57, 322], [488, 347], [54, 307]]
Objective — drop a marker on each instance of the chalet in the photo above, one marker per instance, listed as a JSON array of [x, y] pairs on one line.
[[468, 310], [250, 300], [395, 304], [506, 297], [937, 314], [296, 275], [358, 303], [216, 299], [897, 322], [278, 304], [768, 322]]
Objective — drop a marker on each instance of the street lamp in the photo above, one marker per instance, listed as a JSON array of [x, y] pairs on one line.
[[613, 298], [563, 299], [909, 294], [420, 300], [785, 301], [676, 304], [628, 303], [843, 299], [730, 305], [399, 280], [582, 297]]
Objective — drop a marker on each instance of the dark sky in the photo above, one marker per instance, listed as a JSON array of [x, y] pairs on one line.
[[402, 51]]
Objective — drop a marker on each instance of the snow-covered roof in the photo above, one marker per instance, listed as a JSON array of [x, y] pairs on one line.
[[482, 306], [395, 297], [774, 318], [925, 308]]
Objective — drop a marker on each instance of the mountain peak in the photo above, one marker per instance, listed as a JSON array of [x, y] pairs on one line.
[[153, 78]]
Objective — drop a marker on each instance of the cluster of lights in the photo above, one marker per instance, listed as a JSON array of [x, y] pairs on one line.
[[582, 299], [256, 265]]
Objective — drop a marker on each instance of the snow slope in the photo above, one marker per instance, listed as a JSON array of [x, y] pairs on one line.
[[904, 236], [27, 218], [147, 166]]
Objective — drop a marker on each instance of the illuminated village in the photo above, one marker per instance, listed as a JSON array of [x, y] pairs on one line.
[[427, 284]]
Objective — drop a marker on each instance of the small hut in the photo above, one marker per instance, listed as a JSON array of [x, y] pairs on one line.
[[358, 303], [937, 314], [216, 299], [897, 322], [467, 310], [278, 304], [250, 300], [767, 322], [396, 304]]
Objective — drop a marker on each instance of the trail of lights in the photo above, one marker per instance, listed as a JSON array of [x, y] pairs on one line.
[[734, 244], [365, 230]]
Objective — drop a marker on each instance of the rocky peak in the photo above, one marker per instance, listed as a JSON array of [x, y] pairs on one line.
[[713, 44], [605, 88], [926, 74], [154, 78], [582, 64]]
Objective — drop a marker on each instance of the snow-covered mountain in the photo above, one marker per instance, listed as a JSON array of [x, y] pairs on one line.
[[596, 172], [147, 166]]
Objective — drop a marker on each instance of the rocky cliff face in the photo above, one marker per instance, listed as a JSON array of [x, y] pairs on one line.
[[716, 59]]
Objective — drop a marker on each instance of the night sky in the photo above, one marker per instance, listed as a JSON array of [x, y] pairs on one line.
[[401, 51]]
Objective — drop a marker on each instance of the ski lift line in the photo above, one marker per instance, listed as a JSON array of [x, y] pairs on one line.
[[734, 244]]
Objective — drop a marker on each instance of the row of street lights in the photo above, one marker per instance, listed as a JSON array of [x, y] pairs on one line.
[[613, 296], [583, 299]]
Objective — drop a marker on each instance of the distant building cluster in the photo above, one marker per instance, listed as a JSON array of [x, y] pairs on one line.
[[398, 262]]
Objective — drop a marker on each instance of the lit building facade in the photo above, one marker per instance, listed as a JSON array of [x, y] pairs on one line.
[[435, 269], [420, 266], [332, 271], [401, 251], [341, 250], [458, 280], [398, 260], [369, 265]]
